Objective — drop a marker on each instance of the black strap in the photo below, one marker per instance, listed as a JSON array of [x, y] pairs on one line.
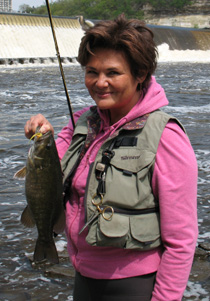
[[107, 155], [136, 211], [125, 141]]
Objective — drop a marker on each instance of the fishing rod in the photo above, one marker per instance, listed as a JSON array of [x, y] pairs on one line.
[[60, 64]]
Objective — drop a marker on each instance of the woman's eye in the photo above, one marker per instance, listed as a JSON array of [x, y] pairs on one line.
[[113, 73], [90, 72]]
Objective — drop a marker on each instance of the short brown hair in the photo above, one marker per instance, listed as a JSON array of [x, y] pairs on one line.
[[132, 37]]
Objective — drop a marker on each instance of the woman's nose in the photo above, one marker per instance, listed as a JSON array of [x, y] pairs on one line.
[[102, 81]]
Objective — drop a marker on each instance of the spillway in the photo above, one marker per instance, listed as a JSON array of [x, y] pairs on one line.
[[29, 38], [26, 38], [179, 38]]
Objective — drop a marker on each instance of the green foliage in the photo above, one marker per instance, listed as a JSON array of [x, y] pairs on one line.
[[94, 9], [25, 8], [172, 4], [41, 10], [105, 9], [109, 9]]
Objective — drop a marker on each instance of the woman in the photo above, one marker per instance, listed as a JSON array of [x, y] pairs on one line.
[[130, 174]]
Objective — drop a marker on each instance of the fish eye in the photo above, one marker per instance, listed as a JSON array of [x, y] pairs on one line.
[[48, 146]]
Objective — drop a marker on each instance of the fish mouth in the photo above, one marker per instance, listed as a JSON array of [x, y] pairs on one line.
[[45, 135], [38, 136]]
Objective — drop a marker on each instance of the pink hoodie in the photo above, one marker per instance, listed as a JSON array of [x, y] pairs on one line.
[[174, 183]]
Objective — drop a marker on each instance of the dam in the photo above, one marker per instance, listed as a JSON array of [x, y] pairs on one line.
[[26, 38]]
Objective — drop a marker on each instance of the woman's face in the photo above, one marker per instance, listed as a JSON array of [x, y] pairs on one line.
[[110, 83]]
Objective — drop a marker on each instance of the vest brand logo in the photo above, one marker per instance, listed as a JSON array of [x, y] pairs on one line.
[[130, 157]]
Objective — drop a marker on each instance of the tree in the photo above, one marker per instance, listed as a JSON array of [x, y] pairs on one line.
[[165, 4], [106, 9], [25, 8]]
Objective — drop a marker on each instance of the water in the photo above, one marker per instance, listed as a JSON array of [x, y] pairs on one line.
[[28, 91], [28, 36]]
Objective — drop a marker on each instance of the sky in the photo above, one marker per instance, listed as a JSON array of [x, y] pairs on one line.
[[17, 3]]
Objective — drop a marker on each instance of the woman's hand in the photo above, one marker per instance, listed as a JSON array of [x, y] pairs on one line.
[[33, 122]]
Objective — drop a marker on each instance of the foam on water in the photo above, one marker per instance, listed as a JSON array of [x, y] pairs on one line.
[[3, 139], [69, 298], [165, 55], [203, 236], [195, 290], [189, 109], [203, 161], [10, 162], [192, 56], [37, 41], [46, 63], [61, 245]]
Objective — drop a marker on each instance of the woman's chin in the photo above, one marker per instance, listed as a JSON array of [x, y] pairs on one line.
[[104, 104]]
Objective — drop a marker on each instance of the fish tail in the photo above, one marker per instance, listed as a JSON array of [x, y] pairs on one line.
[[45, 251]]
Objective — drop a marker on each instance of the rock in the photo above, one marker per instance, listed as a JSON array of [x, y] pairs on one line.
[[202, 252], [60, 271], [205, 246], [195, 15]]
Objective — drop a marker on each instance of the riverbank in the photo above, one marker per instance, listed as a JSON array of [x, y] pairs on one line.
[[190, 21], [195, 15]]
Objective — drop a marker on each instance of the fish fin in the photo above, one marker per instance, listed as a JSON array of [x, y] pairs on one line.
[[45, 250], [20, 174], [60, 223], [27, 218]]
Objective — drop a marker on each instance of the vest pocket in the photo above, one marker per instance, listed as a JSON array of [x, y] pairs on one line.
[[128, 232], [133, 177], [145, 231], [114, 232]]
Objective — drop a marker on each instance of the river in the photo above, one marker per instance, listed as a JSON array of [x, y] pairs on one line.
[[28, 90]]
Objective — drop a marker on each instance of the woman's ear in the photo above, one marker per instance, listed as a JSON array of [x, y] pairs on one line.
[[140, 80]]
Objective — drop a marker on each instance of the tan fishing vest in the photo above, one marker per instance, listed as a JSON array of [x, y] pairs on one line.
[[135, 222]]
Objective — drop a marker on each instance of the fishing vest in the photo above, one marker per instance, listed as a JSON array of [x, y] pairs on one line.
[[128, 159]]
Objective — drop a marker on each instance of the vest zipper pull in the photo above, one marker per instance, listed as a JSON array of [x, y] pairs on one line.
[[102, 184]]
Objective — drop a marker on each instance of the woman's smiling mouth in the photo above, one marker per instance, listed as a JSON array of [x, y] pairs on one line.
[[103, 94]]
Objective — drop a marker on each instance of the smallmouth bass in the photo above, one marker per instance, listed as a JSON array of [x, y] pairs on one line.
[[43, 189]]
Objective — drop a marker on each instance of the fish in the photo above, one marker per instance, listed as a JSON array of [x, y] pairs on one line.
[[44, 195]]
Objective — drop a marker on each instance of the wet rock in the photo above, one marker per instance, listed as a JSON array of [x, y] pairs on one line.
[[60, 271], [204, 246], [202, 252]]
